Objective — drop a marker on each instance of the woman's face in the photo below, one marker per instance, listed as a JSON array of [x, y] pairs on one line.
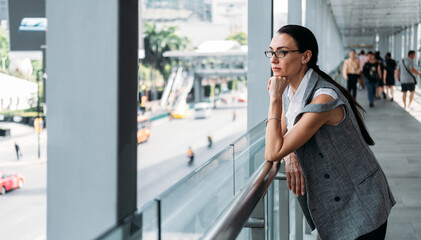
[[352, 54], [292, 63]]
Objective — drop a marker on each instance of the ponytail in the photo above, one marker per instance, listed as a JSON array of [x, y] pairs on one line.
[[352, 102]]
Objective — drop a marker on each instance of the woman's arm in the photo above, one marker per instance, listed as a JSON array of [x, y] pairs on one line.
[[379, 71], [345, 70], [384, 76], [278, 146]]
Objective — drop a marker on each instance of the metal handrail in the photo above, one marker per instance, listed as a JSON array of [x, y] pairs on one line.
[[229, 224]]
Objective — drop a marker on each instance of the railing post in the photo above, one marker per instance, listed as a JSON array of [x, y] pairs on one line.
[[259, 213], [283, 207], [298, 220], [270, 222]]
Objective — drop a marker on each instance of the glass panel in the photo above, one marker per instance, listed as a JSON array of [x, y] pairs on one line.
[[249, 154], [244, 234], [144, 225], [190, 206], [150, 223]]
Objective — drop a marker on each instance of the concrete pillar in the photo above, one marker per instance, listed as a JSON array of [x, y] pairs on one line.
[[397, 43], [383, 45], [416, 43], [391, 45], [294, 12], [311, 15], [92, 57], [405, 41], [197, 89], [259, 71]]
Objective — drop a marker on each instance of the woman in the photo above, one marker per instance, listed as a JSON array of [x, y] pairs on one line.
[[314, 124], [380, 86], [389, 75], [352, 72]]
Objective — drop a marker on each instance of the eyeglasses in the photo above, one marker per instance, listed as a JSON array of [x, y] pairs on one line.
[[279, 53]]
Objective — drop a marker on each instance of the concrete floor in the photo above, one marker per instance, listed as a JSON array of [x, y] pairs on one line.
[[397, 134]]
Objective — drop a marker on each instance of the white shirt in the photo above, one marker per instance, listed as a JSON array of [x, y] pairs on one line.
[[296, 99]]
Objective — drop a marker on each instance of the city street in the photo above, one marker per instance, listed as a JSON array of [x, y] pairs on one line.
[[162, 161]]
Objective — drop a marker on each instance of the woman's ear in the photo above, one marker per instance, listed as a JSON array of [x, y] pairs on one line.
[[307, 56]]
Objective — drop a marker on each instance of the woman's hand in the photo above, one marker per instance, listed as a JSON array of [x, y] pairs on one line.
[[295, 178], [276, 86]]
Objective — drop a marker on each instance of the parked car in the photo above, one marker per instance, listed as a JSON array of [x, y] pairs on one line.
[[143, 129], [10, 180]]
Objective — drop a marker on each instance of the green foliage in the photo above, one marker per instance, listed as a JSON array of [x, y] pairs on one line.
[[31, 112], [37, 70], [240, 37], [157, 41], [4, 44], [149, 76]]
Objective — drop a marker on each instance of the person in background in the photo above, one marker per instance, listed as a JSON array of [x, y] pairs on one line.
[[18, 152], [190, 155], [406, 77], [209, 141], [363, 59], [351, 72], [389, 76], [314, 125], [372, 74], [380, 86]]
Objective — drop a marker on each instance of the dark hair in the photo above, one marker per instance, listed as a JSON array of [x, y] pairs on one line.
[[306, 40], [352, 50], [388, 55], [362, 52], [377, 55], [370, 52], [411, 52]]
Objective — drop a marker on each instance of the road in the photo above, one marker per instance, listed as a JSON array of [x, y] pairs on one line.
[[162, 161], [171, 140]]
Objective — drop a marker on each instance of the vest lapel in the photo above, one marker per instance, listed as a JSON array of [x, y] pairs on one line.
[[314, 78]]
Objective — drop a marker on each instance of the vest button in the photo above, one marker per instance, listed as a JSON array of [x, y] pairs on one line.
[[337, 199], [321, 155], [327, 176]]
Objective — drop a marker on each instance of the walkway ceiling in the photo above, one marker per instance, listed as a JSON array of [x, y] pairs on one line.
[[365, 18]]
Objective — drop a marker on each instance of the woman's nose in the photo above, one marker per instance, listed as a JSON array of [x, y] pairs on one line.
[[274, 59]]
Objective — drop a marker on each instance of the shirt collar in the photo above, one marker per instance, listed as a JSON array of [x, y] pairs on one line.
[[298, 96]]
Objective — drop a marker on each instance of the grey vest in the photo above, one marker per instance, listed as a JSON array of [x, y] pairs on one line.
[[347, 194]]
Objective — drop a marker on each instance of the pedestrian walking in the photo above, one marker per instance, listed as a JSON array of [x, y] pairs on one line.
[[18, 152], [372, 74], [380, 86], [351, 73], [190, 155], [363, 59], [209, 141], [234, 115], [407, 79], [314, 125], [389, 76]]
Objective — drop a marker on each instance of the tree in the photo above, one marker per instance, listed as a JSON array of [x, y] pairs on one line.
[[4, 48], [157, 41], [240, 37]]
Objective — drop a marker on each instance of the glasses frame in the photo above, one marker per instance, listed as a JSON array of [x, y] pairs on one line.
[[275, 53]]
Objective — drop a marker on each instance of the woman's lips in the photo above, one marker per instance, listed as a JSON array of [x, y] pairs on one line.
[[275, 69]]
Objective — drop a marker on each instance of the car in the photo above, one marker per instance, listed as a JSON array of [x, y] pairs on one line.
[[143, 129], [9, 181], [202, 110]]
